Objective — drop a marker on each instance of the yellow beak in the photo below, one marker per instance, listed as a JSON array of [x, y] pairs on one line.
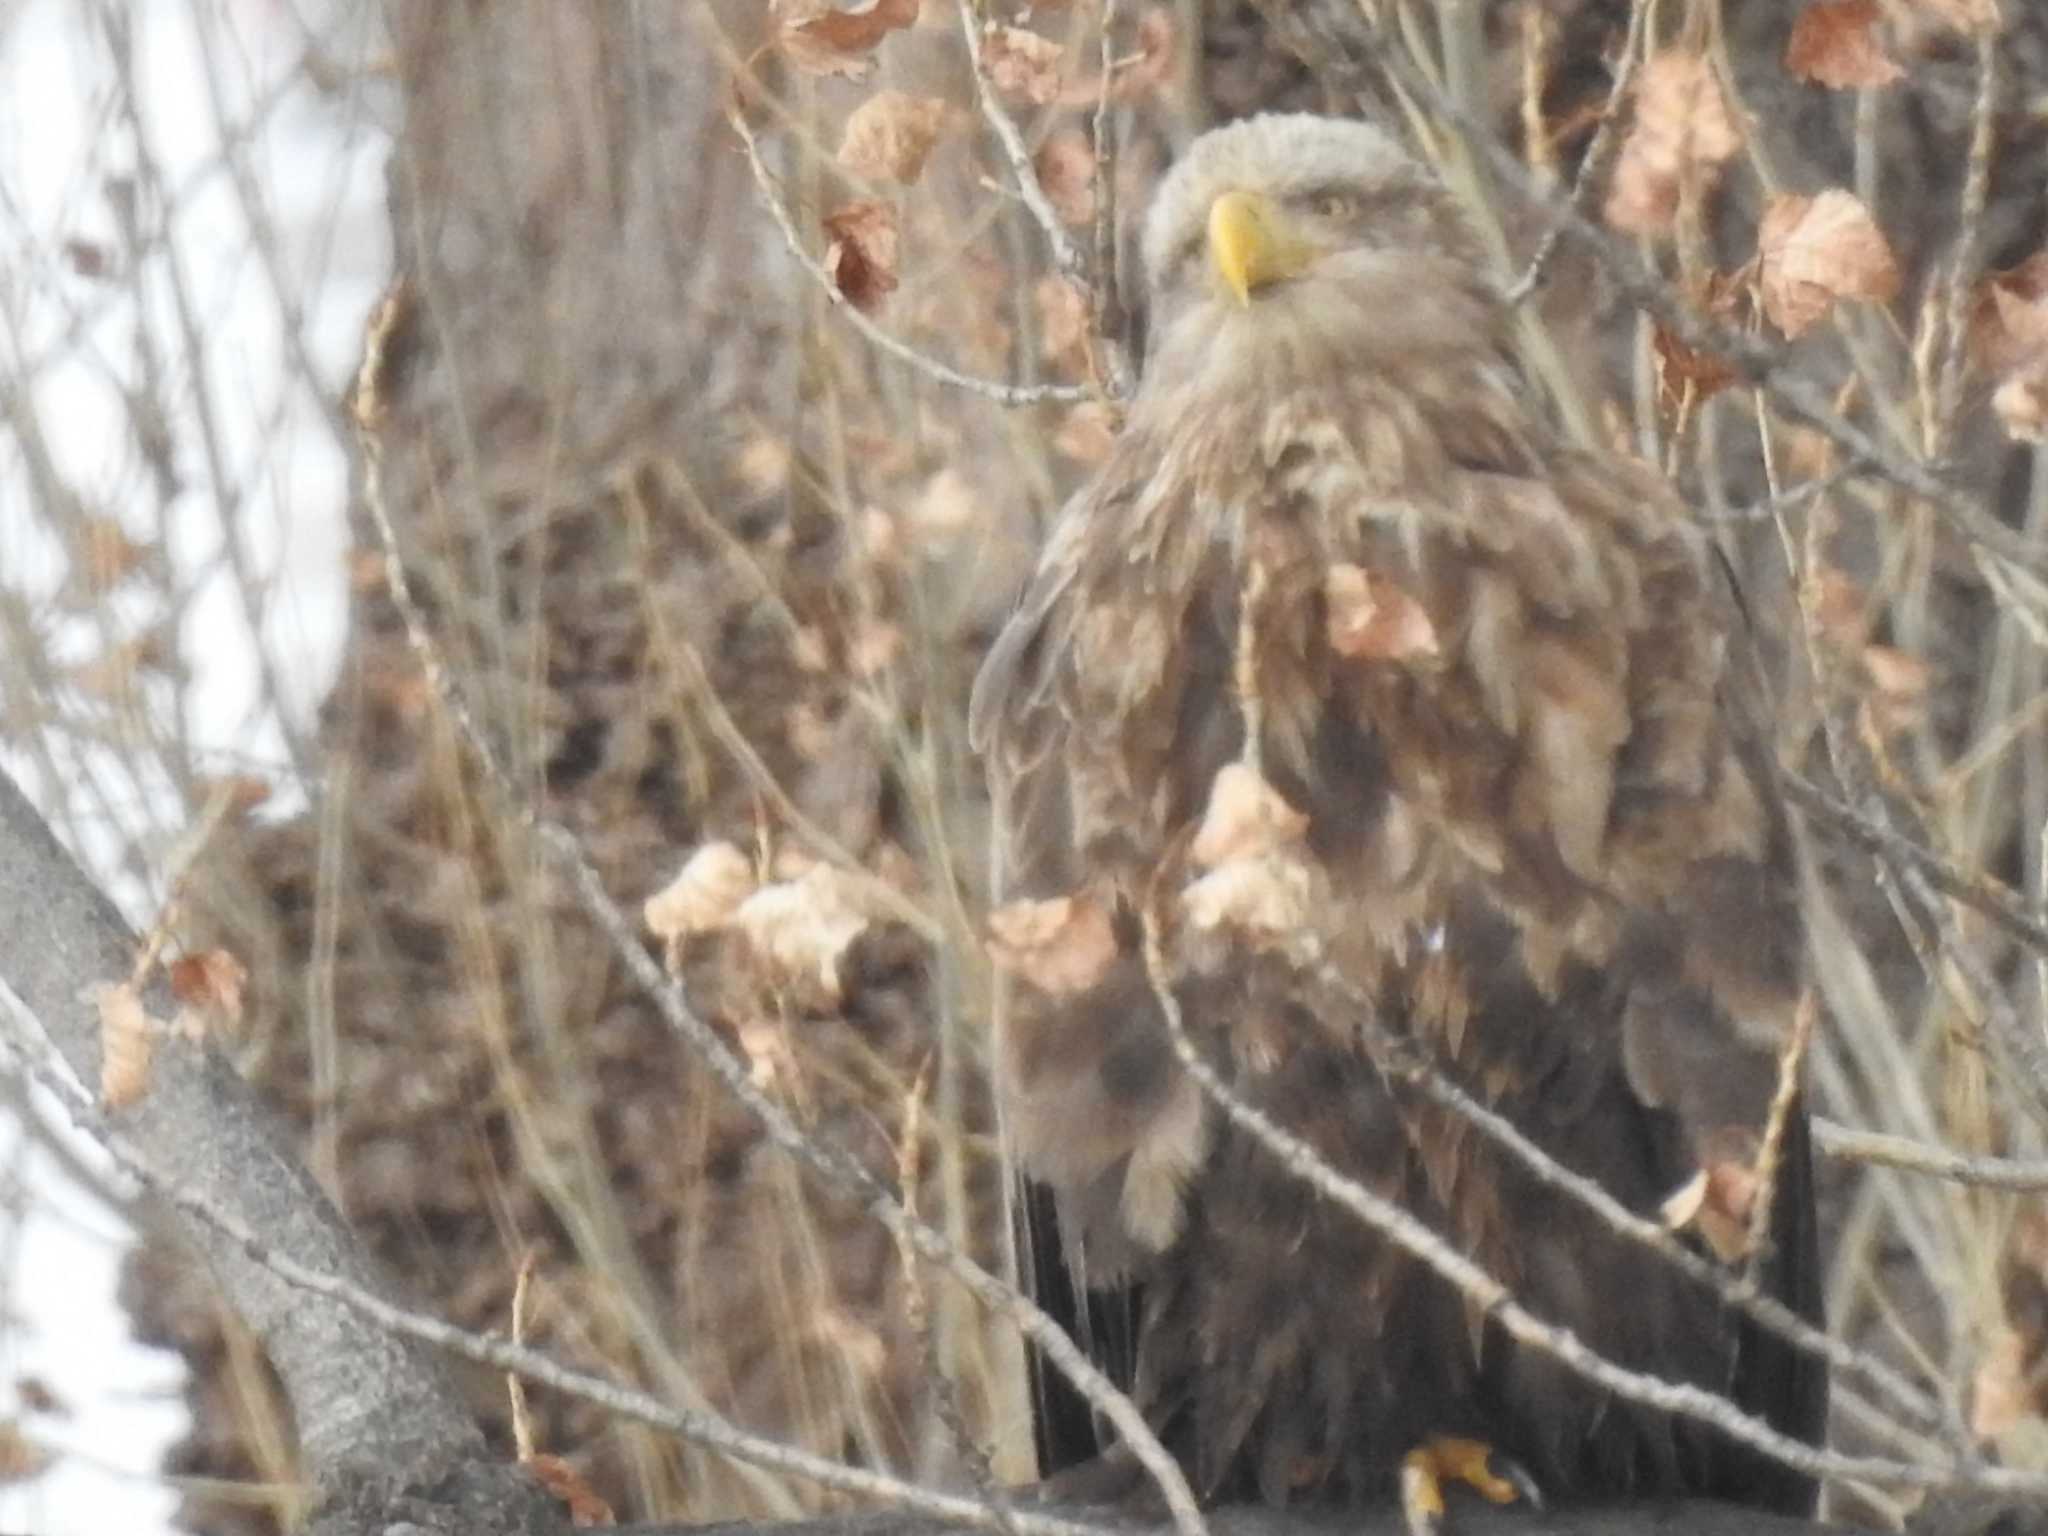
[[1251, 244]]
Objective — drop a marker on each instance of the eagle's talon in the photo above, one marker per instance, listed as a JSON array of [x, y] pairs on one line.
[[1494, 1477]]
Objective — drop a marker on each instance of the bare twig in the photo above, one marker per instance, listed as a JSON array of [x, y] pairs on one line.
[[1909, 1156], [931, 367], [1594, 166], [1981, 892], [1969, 247], [1791, 1072], [1109, 317]]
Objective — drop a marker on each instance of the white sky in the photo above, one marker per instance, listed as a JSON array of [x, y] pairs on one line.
[[316, 162]]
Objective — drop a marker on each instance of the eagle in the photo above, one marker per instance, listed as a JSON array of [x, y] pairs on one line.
[[1355, 716]]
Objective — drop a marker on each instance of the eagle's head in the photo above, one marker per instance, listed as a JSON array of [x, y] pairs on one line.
[[1281, 245]]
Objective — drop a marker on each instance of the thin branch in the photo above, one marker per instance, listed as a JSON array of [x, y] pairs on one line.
[[1109, 316], [1969, 250], [1980, 892], [1784, 1101], [993, 389], [1066, 255], [1594, 166], [1909, 1156]]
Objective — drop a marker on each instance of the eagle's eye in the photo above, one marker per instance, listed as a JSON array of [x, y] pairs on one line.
[[1339, 207]]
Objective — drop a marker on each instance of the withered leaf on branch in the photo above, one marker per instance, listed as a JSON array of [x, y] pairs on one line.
[[1812, 251], [1683, 130], [127, 1044], [1835, 43], [1245, 816], [1963, 15], [1065, 163], [800, 929], [861, 259], [1087, 432], [1063, 323], [890, 136], [1135, 75], [821, 40], [1679, 367], [2009, 337], [1369, 618], [210, 985], [1021, 64], [587, 1508], [948, 506], [22, 1458], [2009, 325], [706, 891], [106, 556], [1060, 946]]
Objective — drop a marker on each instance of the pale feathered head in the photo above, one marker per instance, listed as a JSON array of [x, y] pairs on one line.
[[1281, 240]]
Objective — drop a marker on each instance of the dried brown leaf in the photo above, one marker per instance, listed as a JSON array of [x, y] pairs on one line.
[[1060, 946], [762, 462], [873, 646], [1087, 432], [947, 507], [1264, 896], [1963, 15], [1063, 322], [1020, 64], [2021, 404], [113, 675], [2001, 1393], [1065, 163], [1715, 1202], [1684, 375], [1835, 43], [1245, 816], [890, 135], [800, 929], [1683, 129], [244, 792], [1895, 673], [861, 258], [22, 1459], [706, 891], [2009, 320], [821, 40], [210, 982], [127, 1044], [1814, 250], [106, 555], [1138, 74], [1369, 618], [567, 1486]]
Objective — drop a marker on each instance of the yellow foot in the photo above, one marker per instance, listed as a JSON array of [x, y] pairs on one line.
[[1426, 1469]]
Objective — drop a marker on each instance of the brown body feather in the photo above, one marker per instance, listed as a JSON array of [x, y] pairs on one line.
[[1522, 821]]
